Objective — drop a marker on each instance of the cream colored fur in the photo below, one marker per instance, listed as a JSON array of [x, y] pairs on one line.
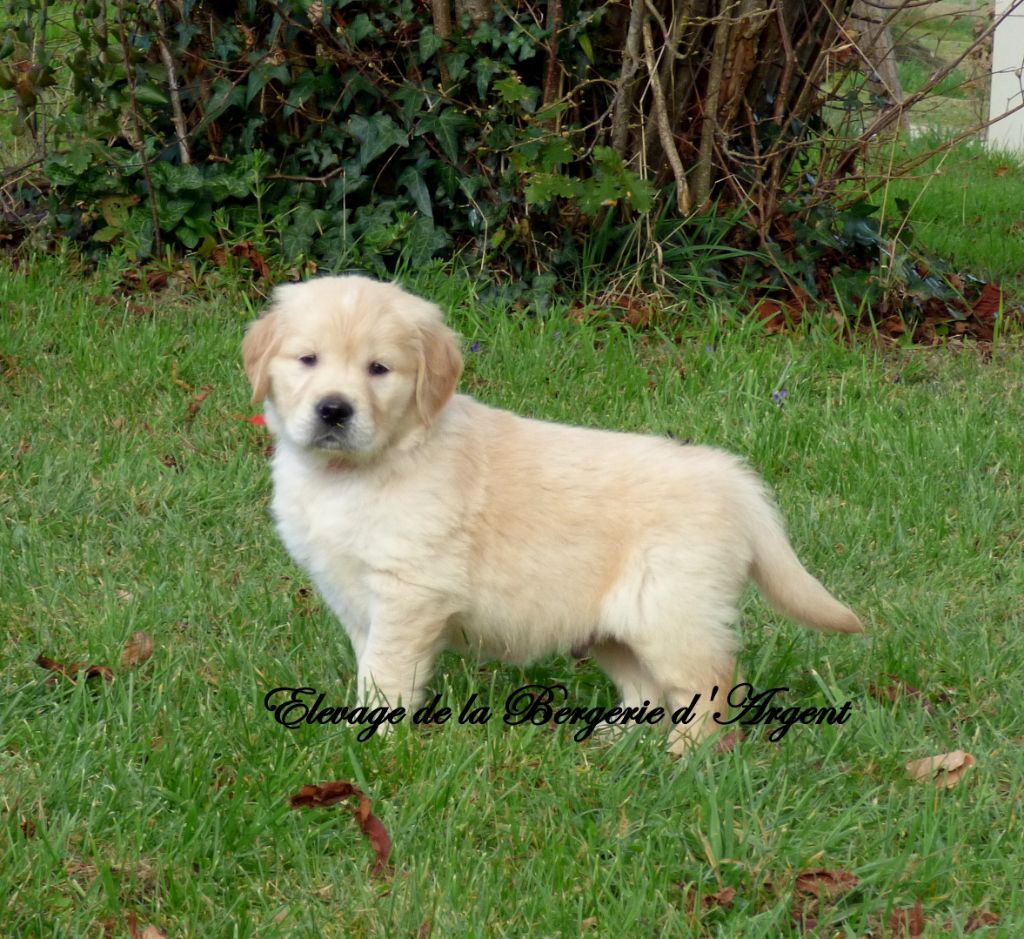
[[431, 521]]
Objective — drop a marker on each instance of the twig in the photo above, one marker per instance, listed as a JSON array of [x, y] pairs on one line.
[[709, 121], [129, 72], [668, 143], [889, 115], [442, 16], [624, 87], [315, 180], [551, 73], [180, 130]]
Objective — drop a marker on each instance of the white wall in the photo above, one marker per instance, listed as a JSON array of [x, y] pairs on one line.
[[1007, 78]]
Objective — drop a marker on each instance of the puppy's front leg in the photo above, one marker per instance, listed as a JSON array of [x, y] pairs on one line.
[[397, 661]]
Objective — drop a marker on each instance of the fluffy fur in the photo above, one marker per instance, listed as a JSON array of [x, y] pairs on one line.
[[430, 521]]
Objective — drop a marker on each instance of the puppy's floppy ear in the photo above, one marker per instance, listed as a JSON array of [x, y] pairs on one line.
[[258, 348], [440, 366]]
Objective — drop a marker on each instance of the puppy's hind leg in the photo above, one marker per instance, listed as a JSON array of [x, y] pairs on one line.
[[620, 664], [693, 681], [636, 687]]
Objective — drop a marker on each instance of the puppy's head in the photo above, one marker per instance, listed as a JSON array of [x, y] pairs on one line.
[[349, 365]]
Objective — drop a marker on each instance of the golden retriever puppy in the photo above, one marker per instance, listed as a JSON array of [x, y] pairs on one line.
[[429, 521]]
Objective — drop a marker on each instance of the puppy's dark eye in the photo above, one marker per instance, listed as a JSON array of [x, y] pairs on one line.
[[309, 360], [378, 368]]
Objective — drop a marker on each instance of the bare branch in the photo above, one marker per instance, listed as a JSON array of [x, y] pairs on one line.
[[180, 130], [624, 89], [668, 143]]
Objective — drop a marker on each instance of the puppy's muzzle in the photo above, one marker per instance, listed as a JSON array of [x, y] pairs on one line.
[[334, 411]]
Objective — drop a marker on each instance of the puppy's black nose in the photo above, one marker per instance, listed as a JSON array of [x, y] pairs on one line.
[[334, 410]]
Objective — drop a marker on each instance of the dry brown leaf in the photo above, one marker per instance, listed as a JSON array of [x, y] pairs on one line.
[[327, 794], [246, 251], [898, 690], [814, 891], [196, 402], [709, 901], [980, 919], [137, 650], [134, 932], [71, 670], [769, 312], [723, 897], [907, 924], [823, 883], [946, 769], [728, 741]]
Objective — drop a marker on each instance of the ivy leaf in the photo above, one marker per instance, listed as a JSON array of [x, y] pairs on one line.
[[376, 135], [150, 94], [445, 125], [412, 179], [116, 209], [544, 187], [430, 42], [511, 90], [106, 234], [225, 94], [301, 91]]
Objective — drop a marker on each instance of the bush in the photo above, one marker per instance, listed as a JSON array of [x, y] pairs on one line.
[[387, 133]]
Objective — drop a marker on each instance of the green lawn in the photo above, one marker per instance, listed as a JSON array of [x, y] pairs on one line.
[[165, 793]]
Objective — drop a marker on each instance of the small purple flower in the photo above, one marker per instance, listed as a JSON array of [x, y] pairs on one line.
[[779, 397], [475, 347], [557, 335], [710, 350]]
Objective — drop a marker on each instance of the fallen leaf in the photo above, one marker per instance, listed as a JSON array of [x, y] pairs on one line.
[[196, 402], [723, 897], [728, 741], [170, 462], [899, 689], [248, 252], [946, 769], [708, 901], [769, 312], [989, 302], [907, 924], [138, 649], [157, 280], [71, 670], [980, 919], [327, 794], [814, 890], [150, 932], [824, 884]]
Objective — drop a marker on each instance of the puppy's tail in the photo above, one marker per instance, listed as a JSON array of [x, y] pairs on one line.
[[785, 582]]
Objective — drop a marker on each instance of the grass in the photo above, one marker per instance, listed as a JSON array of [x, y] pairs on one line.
[[965, 205], [164, 793], [929, 36]]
